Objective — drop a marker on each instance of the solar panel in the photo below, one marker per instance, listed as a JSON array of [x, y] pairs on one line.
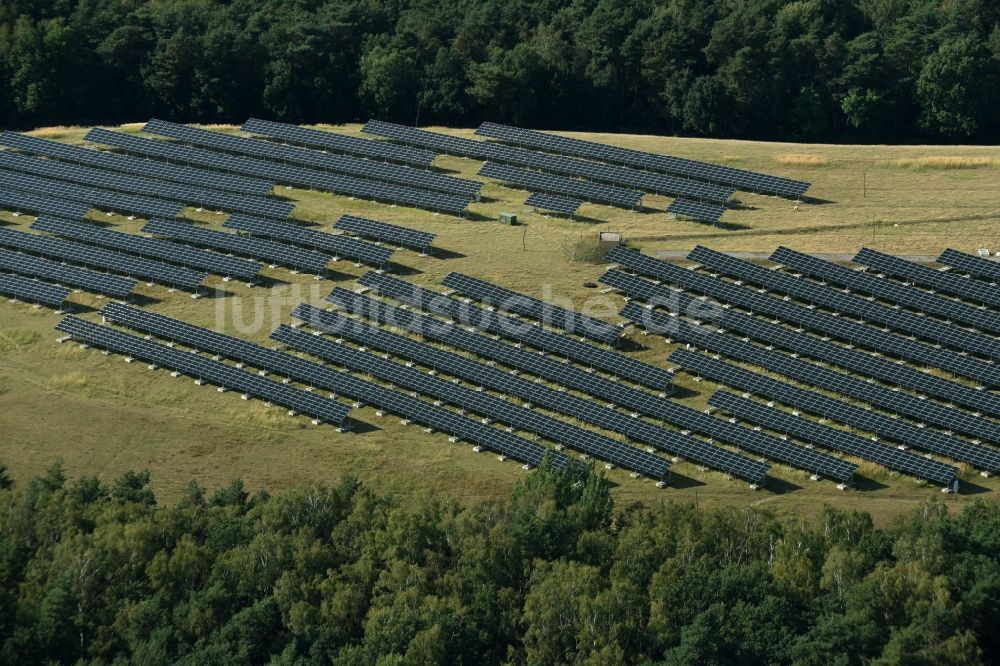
[[845, 303], [571, 187], [975, 266], [284, 173], [535, 393], [265, 250], [33, 291], [779, 336], [441, 143], [496, 409], [385, 232], [696, 210], [467, 314], [113, 180], [888, 290], [319, 376], [116, 262], [971, 290], [134, 165], [811, 374], [836, 439], [22, 202], [98, 198], [70, 276], [392, 173], [338, 142], [568, 166], [554, 203], [546, 313], [204, 369], [183, 255], [836, 410], [840, 327], [295, 233], [746, 180]]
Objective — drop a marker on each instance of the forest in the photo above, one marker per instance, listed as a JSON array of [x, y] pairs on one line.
[[94, 572], [803, 70]]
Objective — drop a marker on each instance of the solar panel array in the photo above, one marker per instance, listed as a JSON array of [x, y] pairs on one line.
[[840, 327], [216, 372], [838, 301], [816, 403], [385, 232], [979, 267], [113, 180], [696, 210], [799, 343], [568, 166], [315, 159], [971, 290], [834, 438], [740, 178], [338, 142], [585, 409], [154, 248], [283, 173], [544, 182], [98, 198], [554, 203], [23, 202], [543, 312], [496, 409], [896, 402], [116, 262], [442, 143], [265, 250], [33, 291], [70, 276], [134, 165], [611, 362], [316, 375], [295, 233], [888, 290]]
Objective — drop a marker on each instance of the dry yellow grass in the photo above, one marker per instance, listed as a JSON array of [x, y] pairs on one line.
[[802, 160], [103, 416], [947, 162]]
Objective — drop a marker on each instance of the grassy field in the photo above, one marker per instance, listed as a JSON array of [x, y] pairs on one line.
[[103, 416]]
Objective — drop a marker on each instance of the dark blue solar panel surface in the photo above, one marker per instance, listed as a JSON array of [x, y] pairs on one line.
[[258, 248], [216, 372], [971, 290], [285, 174], [210, 262], [546, 313], [116, 262], [585, 409], [554, 203], [696, 210], [108, 200], [23, 202], [135, 165], [33, 291], [979, 267], [70, 276], [571, 187], [295, 233], [338, 142], [385, 232]]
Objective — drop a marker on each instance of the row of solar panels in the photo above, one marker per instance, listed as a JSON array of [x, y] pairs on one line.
[[739, 178], [554, 164], [913, 406], [281, 172], [314, 159]]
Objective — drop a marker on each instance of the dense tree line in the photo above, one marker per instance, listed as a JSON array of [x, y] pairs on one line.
[[799, 69], [101, 573]]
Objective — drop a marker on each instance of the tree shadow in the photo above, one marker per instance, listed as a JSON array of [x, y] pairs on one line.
[[215, 294], [682, 393]]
